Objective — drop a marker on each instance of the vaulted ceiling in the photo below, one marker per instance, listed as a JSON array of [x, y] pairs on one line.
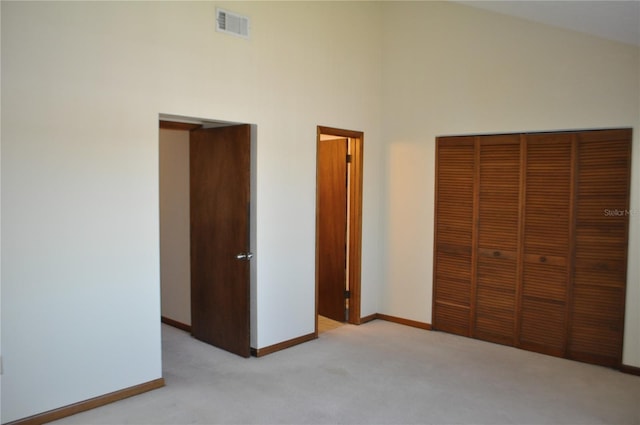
[[612, 19]]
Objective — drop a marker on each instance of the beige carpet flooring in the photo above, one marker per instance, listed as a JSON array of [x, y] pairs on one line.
[[376, 373]]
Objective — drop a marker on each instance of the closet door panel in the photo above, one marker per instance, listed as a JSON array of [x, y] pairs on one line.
[[546, 242], [602, 218], [453, 234], [543, 308], [496, 304], [597, 326], [600, 271], [497, 237], [531, 239]]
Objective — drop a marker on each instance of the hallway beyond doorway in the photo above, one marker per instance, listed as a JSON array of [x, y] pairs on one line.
[[325, 324]]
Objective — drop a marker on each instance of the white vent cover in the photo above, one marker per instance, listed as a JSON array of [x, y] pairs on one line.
[[232, 23]]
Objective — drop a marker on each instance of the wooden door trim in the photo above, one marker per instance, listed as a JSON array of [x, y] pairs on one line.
[[473, 284], [517, 323], [183, 126], [573, 193], [354, 250], [355, 230]]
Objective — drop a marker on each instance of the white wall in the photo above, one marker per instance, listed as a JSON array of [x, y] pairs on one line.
[[83, 84], [453, 69], [175, 246]]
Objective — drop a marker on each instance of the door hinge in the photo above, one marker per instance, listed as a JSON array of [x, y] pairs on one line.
[[347, 294], [348, 158]]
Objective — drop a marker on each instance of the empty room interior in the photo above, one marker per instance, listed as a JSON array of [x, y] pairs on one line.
[[191, 191]]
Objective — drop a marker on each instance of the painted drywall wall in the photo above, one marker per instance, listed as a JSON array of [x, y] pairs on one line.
[[83, 84], [453, 69], [175, 262]]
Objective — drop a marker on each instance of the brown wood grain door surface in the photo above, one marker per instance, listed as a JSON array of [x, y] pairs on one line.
[[332, 227], [497, 237], [546, 242], [531, 239], [220, 194], [602, 228], [453, 268]]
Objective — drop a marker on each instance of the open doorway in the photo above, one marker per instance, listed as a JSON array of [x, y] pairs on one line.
[[338, 226], [206, 229]]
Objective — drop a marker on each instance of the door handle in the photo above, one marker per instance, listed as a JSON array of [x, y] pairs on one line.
[[245, 256]]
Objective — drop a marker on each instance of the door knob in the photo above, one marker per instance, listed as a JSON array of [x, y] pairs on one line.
[[245, 256]]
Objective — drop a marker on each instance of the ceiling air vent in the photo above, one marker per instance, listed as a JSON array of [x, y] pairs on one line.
[[232, 23]]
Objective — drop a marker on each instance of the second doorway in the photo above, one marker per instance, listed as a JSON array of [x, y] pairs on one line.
[[338, 224]]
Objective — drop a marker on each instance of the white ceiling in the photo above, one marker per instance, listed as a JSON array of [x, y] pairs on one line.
[[617, 20]]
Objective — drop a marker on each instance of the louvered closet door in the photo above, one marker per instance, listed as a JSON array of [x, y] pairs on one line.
[[602, 219], [497, 238], [546, 242], [455, 173]]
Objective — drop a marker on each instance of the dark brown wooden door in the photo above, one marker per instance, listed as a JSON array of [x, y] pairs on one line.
[[602, 220], [546, 242], [332, 228], [454, 224], [497, 238], [220, 195], [531, 240]]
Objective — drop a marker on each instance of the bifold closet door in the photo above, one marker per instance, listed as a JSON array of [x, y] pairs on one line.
[[547, 236], [531, 238], [455, 171], [602, 219], [496, 268]]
